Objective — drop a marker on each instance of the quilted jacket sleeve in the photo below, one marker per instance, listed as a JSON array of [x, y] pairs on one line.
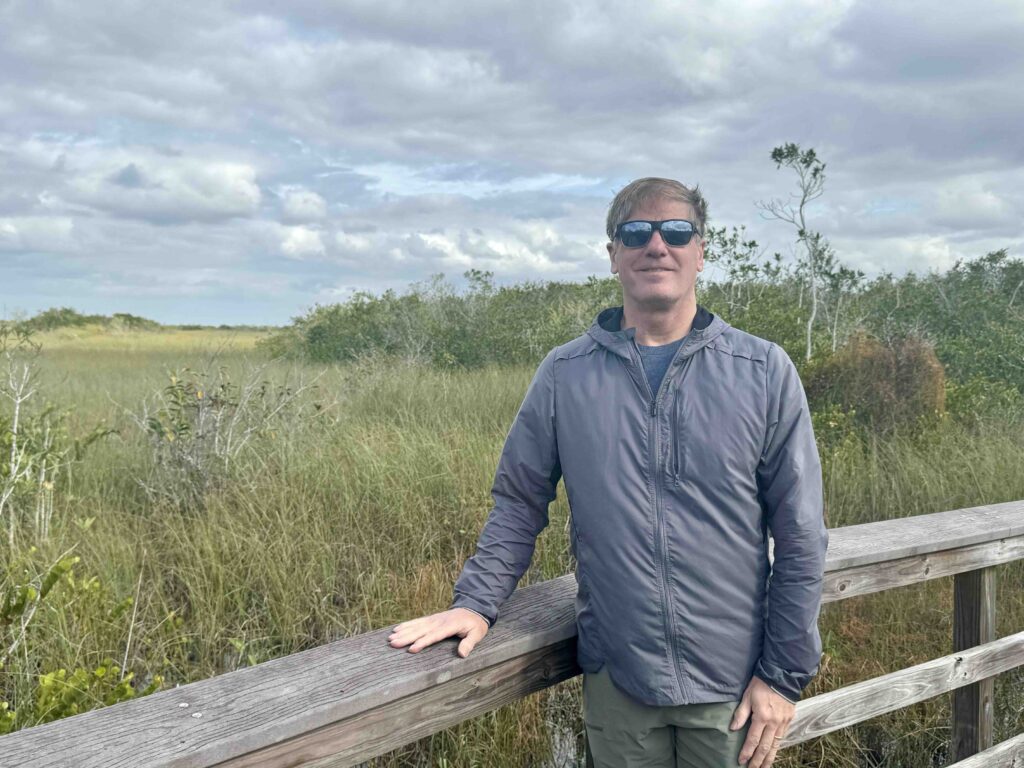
[[790, 486], [524, 485]]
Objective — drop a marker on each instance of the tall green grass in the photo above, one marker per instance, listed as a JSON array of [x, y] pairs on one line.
[[362, 518]]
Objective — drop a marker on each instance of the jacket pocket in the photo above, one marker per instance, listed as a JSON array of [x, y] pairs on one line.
[[678, 442]]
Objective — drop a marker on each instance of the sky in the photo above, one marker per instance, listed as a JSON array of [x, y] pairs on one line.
[[206, 162]]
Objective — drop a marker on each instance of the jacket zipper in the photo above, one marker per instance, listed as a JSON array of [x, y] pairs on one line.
[[660, 536]]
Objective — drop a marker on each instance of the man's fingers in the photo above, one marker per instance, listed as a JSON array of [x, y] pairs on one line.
[[407, 627], [764, 753], [469, 641], [431, 637], [752, 741], [444, 626], [427, 630], [740, 714], [406, 633], [769, 759]]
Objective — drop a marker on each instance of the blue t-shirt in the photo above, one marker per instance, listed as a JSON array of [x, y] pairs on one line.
[[656, 360]]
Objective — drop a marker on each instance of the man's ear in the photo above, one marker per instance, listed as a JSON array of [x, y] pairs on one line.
[[611, 257]]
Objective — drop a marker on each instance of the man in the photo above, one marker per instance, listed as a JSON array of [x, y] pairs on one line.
[[682, 441]]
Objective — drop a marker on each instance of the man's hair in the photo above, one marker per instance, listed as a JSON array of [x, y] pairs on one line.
[[640, 191]]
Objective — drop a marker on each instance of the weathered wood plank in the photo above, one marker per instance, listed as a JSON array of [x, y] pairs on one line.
[[231, 715], [877, 577], [902, 537], [855, 703], [1005, 754], [374, 732], [974, 623]]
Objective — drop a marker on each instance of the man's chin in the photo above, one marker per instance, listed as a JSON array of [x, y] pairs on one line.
[[659, 302]]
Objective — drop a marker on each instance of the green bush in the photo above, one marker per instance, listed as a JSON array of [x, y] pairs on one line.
[[27, 581], [203, 423], [899, 383], [980, 397], [66, 317]]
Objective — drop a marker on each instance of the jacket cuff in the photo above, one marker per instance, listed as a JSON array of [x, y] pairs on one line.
[[471, 605], [779, 680], [791, 701]]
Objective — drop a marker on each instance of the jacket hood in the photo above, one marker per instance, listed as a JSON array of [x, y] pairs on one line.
[[606, 330]]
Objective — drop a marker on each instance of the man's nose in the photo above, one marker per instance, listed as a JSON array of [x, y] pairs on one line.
[[656, 244]]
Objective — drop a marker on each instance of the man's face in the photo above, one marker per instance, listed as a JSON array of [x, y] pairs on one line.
[[657, 276]]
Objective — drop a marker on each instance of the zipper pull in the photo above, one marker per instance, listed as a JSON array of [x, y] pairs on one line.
[[654, 407]]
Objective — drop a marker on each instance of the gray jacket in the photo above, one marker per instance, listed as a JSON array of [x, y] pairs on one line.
[[671, 499]]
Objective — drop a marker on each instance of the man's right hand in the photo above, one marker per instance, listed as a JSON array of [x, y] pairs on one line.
[[427, 630]]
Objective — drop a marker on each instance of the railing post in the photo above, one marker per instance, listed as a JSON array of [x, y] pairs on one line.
[[974, 623]]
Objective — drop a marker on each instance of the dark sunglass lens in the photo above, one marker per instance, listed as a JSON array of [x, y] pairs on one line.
[[677, 232], [635, 233]]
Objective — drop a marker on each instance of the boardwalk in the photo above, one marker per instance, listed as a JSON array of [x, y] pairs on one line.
[[347, 701]]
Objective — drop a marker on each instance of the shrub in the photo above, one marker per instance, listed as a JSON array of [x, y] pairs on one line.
[[980, 397], [132, 322], [898, 383], [202, 424], [27, 581]]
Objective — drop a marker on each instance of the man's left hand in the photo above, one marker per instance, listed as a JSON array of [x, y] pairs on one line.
[[771, 714]]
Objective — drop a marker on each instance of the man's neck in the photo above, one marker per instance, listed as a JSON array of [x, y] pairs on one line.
[[654, 328]]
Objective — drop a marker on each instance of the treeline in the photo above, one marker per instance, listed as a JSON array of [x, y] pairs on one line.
[[882, 350], [971, 315], [56, 318], [65, 317]]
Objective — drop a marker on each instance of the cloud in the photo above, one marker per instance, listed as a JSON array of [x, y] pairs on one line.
[[300, 242], [299, 204], [129, 181], [36, 234], [166, 189], [369, 144]]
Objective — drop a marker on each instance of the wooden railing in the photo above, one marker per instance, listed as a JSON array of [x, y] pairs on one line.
[[347, 701]]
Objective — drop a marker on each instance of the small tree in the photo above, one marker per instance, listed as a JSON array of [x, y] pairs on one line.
[[34, 443], [842, 282], [203, 423], [747, 275], [811, 173]]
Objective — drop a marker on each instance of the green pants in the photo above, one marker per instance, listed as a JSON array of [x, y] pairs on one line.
[[623, 733]]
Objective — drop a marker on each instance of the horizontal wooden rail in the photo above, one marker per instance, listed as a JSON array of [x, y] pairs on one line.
[[1006, 754], [855, 703], [349, 700]]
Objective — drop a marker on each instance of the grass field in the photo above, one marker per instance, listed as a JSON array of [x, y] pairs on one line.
[[356, 507], [96, 338]]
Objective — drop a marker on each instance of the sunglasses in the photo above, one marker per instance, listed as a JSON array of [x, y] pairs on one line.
[[636, 234]]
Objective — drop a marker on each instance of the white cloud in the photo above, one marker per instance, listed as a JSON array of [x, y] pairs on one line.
[[407, 181], [352, 243], [973, 204], [165, 188], [133, 181], [37, 234], [301, 204], [300, 242]]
